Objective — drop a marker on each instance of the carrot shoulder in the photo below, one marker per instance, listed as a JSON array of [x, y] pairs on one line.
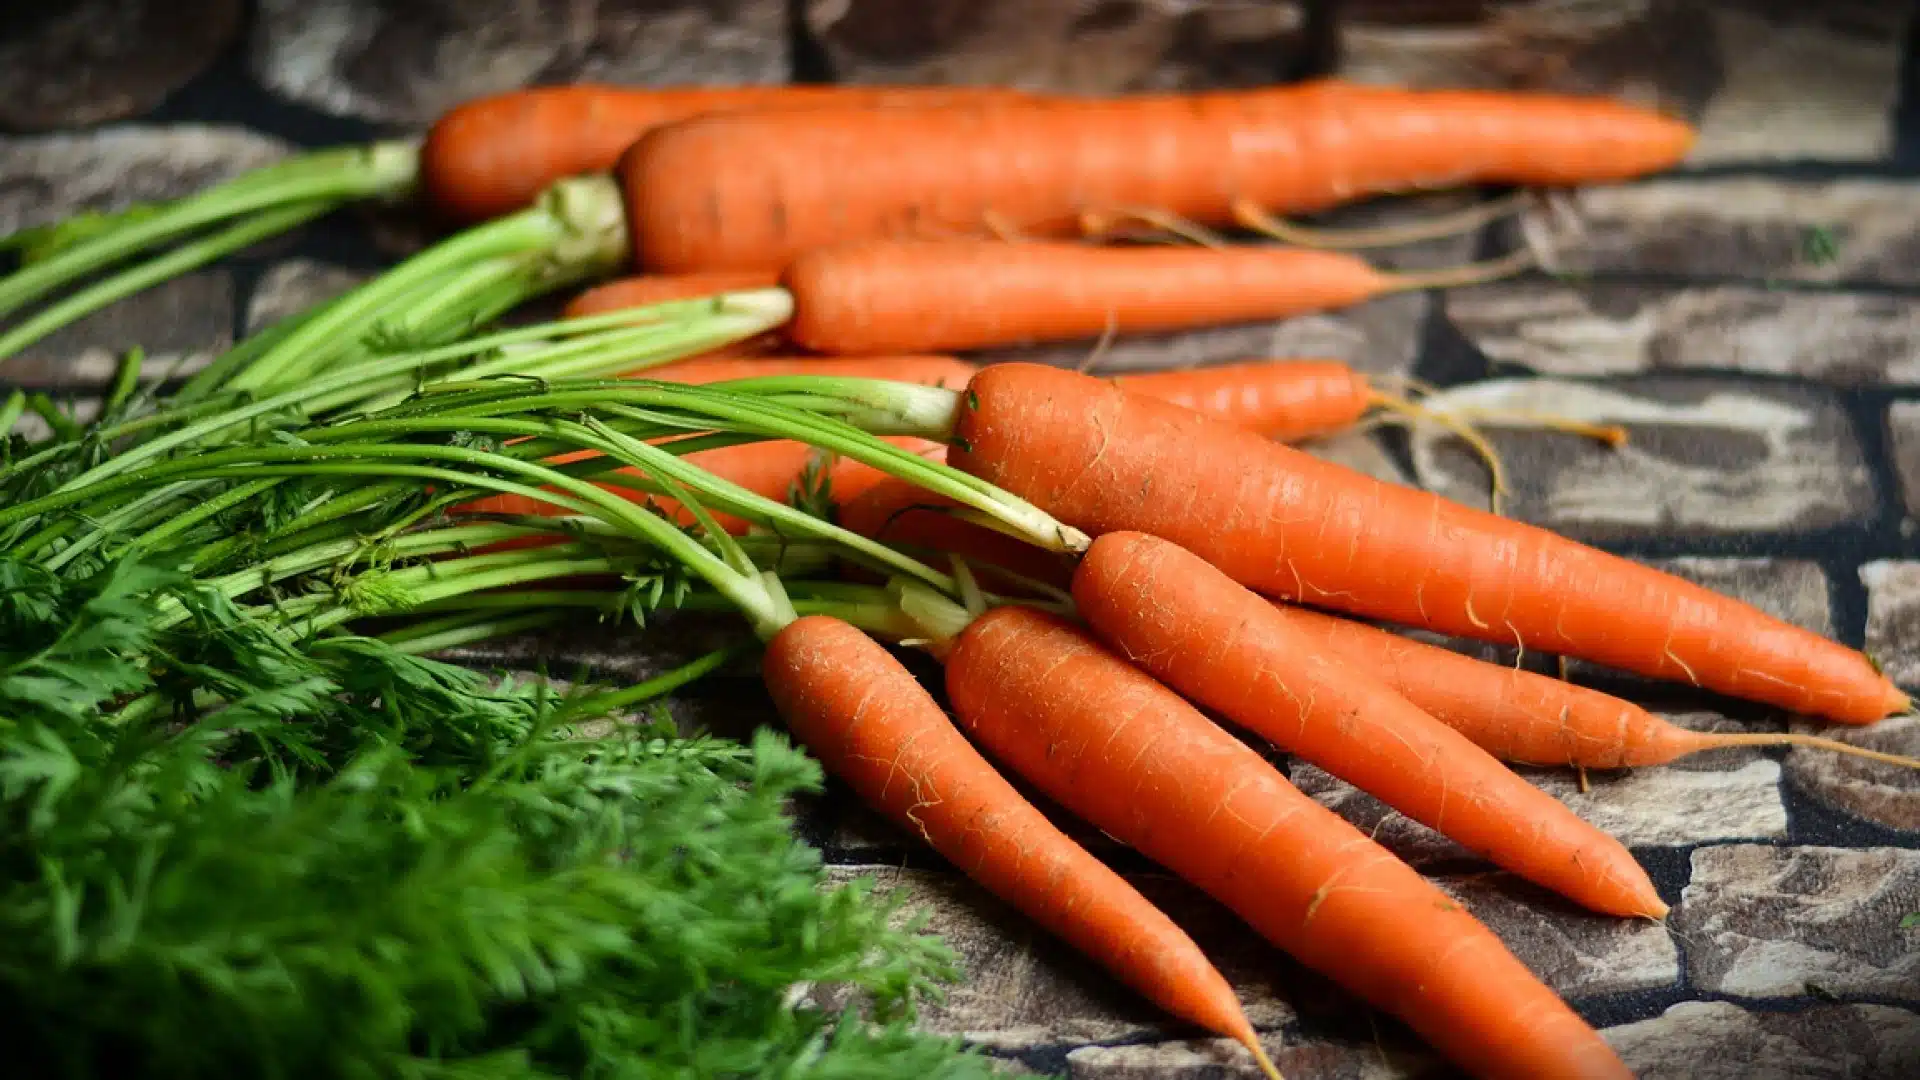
[[1286, 524], [876, 728], [1219, 644], [1129, 756]]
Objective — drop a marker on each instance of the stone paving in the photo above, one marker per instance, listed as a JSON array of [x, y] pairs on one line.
[[1752, 320]]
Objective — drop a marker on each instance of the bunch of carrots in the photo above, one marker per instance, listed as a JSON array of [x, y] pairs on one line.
[[1199, 560]]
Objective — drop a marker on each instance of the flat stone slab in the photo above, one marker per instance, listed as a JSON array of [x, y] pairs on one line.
[[1893, 618], [1718, 1040], [1882, 793], [1764, 922], [1758, 229], [1071, 45], [407, 63], [1704, 457], [48, 178], [1613, 328], [91, 61]]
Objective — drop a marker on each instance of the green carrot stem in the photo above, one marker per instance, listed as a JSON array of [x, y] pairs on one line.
[[146, 275], [380, 170], [453, 631], [126, 379], [664, 683], [10, 413], [577, 229], [122, 518]]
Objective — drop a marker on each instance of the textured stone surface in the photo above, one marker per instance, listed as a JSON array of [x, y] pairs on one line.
[[1903, 431], [1760, 79], [1642, 808], [47, 178], [1741, 227], [1025, 988], [1718, 1040], [1880, 792], [293, 286], [181, 324], [87, 62], [406, 62], [1774, 921], [1223, 1059], [1077, 45], [1578, 954], [1611, 328], [1705, 457], [1893, 618]]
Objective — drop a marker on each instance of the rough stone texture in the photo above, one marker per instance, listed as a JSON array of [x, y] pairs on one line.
[[1760, 79], [1359, 452], [1704, 457], [1718, 1040], [406, 62], [1903, 431], [182, 324], [293, 286], [1223, 1059], [1877, 791], [1075, 45], [1766, 922], [47, 178], [1792, 590], [1893, 618], [1026, 988], [1739, 227], [1613, 328], [73, 64], [1578, 954], [1643, 808]]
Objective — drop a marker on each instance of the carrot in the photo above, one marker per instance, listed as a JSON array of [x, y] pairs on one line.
[[1288, 399], [1286, 524], [495, 154], [898, 512], [877, 729], [1132, 758], [1208, 637], [1529, 718], [912, 295], [754, 190]]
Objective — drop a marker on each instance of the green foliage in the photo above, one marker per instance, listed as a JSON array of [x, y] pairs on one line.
[[228, 852]]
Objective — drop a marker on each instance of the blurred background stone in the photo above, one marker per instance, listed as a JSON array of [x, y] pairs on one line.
[[1076, 45], [66, 65], [405, 61]]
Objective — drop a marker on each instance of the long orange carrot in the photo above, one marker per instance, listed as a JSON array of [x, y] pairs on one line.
[[1210, 638], [1291, 526], [929, 295], [924, 369], [754, 190], [493, 155], [877, 729], [1129, 756], [1525, 717], [1283, 399]]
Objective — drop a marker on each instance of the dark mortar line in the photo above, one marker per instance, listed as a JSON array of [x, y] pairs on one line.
[[1802, 1002], [1672, 280], [1906, 108], [1891, 167], [1811, 822], [807, 61]]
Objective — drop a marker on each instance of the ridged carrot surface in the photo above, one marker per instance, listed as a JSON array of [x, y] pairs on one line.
[[1130, 756], [1289, 525], [1210, 638], [876, 728], [739, 191]]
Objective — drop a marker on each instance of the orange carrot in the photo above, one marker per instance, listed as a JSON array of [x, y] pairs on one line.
[[1291, 526], [648, 289], [1130, 757], [898, 512], [1529, 718], [924, 369], [754, 190], [493, 155], [912, 295], [875, 727], [1213, 640], [1285, 399]]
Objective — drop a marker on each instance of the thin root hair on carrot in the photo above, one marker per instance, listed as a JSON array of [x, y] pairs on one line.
[[1402, 411], [1101, 223], [1101, 346], [1520, 259], [1813, 742], [1433, 227]]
